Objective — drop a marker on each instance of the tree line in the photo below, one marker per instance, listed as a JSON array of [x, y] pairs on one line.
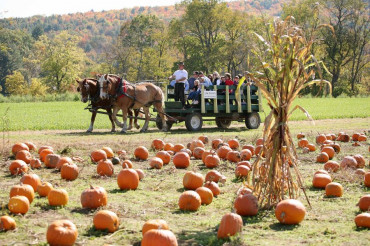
[[208, 36]]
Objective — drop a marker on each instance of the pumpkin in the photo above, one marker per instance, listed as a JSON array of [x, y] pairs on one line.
[[168, 146], [334, 189], [35, 163], [61, 232], [246, 205], [165, 156], [364, 203], [18, 167], [122, 154], [128, 179], [360, 161], [7, 223], [31, 146], [189, 201], [259, 149], [63, 161], [192, 180], [329, 150], [58, 197], [141, 153], [222, 151], [212, 161], [44, 188], [69, 171], [321, 171], [213, 175], [250, 148], [363, 220], [24, 155], [362, 138], [205, 194], [216, 143], [332, 166], [31, 179], [44, 147], [230, 225], [321, 180], [18, 205], [213, 186], [355, 144], [244, 190], [140, 173], [157, 144], [259, 141], [115, 160], [241, 171], [320, 139], [156, 163], [51, 160], [348, 162], [323, 157], [233, 156], [108, 151], [181, 160], [290, 212], [188, 151], [127, 164], [336, 147], [355, 136], [204, 139], [198, 152], [245, 155], [106, 220], [367, 179], [105, 168], [194, 144], [154, 224], [343, 138], [98, 155], [159, 237], [233, 143], [44, 153], [245, 163], [178, 147], [205, 154], [94, 197], [18, 147], [360, 172], [23, 190], [303, 143]]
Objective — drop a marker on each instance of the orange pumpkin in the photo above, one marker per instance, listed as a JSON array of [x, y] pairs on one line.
[[178, 147], [198, 152], [35, 163], [23, 190], [230, 225], [165, 156], [94, 197], [108, 151], [18, 147], [212, 161], [205, 154], [259, 149], [320, 139], [336, 147], [24, 155], [156, 163], [245, 163], [250, 148], [363, 220], [244, 190], [159, 237], [362, 138], [360, 172], [204, 139], [98, 155], [127, 164], [63, 161], [233, 143], [31, 179], [7, 223], [233, 156], [128, 179], [61, 232], [213, 175], [106, 220], [348, 162], [105, 168], [222, 151], [321, 171], [323, 157], [44, 153], [364, 203], [44, 188], [141, 153], [216, 143], [334, 189], [246, 205], [18, 205], [290, 212], [331, 166], [259, 141], [140, 173], [303, 143], [69, 171], [355, 136], [245, 155], [360, 161], [168, 146], [189, 201], [242, 171], [181, 160], [194, 144], [44, 147], [58, 197], [157, 144], [213, 186], [51, 160], [330, 151], [192, 180], [367, 179], [154, 224], [321, 180], [18, 167], [301, 135], [205, 194], [31, 146]]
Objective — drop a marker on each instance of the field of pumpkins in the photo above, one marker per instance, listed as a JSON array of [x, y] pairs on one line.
[[186, 190]]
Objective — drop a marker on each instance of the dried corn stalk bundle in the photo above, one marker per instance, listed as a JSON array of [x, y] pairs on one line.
[[289, 68]]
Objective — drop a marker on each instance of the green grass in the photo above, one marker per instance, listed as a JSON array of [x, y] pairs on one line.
[[70, 115], [328, 222]]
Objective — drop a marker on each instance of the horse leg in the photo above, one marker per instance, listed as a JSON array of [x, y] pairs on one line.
[[160, 111], [124, 118], [109, 111], [136, 111], [147, 118], [130, 114], [114, 116], [91, 128]]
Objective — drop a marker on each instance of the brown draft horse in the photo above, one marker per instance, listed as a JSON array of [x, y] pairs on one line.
[[89, 89], [135, 96]]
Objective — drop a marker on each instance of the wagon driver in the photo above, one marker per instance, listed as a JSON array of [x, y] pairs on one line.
[[180, 76]]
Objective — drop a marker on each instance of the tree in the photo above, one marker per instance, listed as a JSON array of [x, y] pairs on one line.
[[61, 60], [15, 84]]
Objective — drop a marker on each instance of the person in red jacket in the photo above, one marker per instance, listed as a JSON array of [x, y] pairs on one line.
[[228, 81]]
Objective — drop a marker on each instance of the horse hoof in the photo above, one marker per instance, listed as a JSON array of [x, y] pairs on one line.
[[123, 131], [88, 131], [129, 128], [137, 127], [112, 130], [143, 130]]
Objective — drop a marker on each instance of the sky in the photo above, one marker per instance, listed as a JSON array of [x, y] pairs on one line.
[[26, 8]]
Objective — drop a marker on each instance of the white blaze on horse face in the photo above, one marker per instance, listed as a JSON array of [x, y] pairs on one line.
[[101, 80]]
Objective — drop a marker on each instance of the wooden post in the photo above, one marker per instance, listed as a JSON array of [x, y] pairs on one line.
[[260, 108], [215, 106], [227, 100], [202, 101], [239, 101], [249, 101]]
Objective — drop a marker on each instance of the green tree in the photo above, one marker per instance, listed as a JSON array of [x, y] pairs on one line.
[[15, 84]]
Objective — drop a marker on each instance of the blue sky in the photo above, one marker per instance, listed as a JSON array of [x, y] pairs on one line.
[[25, 8]]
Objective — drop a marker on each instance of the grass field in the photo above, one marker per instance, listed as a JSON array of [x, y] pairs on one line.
[[328, 222], [70, 115]]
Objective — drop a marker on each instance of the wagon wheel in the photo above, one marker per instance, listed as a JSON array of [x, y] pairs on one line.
[[252, 120], [223, 123], [158, 123], [194, 122]]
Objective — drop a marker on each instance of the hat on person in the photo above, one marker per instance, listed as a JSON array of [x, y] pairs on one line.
[[181, 64]]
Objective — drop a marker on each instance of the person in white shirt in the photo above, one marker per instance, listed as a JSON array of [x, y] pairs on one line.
[[180, 77]]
